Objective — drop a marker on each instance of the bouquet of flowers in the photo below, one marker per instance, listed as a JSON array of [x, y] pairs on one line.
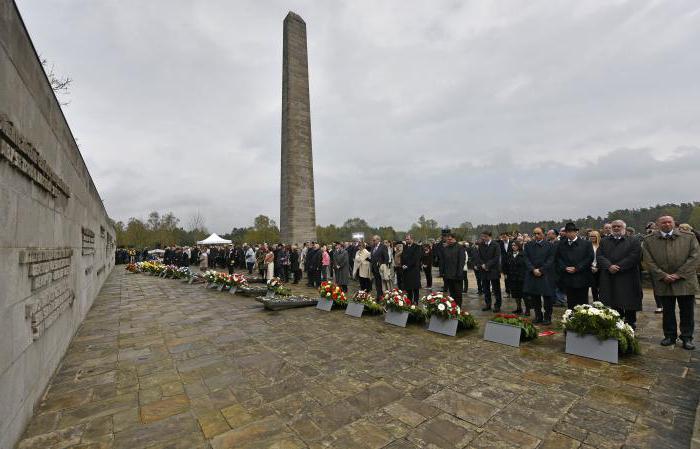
[[443, 306], [222, 279], [238, 280], [528, 330], [397, 301], [158, 268], [329, 290], [170, 270], [275, 285], [210, 276], [132, 268], [183, 273], [371, 306], [603, 322]]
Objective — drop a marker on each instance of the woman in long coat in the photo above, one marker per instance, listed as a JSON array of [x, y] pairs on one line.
[[411, 265], [516, 268], [203, 261]]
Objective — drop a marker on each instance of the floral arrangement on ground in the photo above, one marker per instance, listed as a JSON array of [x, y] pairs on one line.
[[445, 307], [397, 301], [365, 298], [603, 322], [329, 290], [528, 331], [275, 285], [132, 268]]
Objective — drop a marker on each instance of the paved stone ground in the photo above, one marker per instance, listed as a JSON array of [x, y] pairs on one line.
[[161, 364]]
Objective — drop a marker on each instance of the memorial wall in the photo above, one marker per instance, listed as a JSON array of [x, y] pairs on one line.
[[56, 240]]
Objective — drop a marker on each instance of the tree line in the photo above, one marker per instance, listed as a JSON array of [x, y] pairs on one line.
[[159, 231]]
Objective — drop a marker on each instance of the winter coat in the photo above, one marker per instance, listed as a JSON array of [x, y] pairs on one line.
[[539, 255], [622, 289], [678, 254], [452, 262], [411, 259], [363, 266], [341, 267], [578, 254]]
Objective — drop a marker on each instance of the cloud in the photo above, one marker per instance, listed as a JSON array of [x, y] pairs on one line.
[[472, 110]]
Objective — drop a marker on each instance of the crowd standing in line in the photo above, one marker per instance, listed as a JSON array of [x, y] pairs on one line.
[[548, 268]]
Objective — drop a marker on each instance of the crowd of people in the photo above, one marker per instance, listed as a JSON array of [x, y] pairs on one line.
[[539, 270]]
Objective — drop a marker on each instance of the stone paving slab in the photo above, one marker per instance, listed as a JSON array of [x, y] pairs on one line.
[[161, 364]]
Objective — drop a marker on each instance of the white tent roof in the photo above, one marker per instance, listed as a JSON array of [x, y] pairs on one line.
[[213, 240]]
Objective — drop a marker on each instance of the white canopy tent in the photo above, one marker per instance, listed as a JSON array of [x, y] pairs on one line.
[[214, 240]]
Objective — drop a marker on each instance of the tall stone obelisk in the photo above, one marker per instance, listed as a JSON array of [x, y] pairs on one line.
[[297, 208]]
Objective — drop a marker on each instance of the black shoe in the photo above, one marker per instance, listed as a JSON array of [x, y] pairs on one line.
[[496, 310], [517, 312], [484, 309], [537, 321], [688, 344], [546, 322], [668, 341]]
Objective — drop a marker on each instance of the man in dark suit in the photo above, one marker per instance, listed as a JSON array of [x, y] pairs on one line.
[[452, 266], [504, 244], [574, 259], [315, 265], [488, 258], [379, 256]]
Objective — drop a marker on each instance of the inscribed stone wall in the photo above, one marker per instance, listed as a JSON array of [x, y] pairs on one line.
[[49, 209]]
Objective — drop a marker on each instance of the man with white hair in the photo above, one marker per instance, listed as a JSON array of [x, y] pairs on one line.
[[672, 258], [618, 260]]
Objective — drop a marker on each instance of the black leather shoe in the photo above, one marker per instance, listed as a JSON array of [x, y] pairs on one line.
[[688, 344], [485, 309], [668, 341]]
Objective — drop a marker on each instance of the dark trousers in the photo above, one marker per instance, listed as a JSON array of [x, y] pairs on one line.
[[594, 286], [230, 269], [365, 284], [576, 296], [297, 276], [506, 281], [536, 303], [378, 283], [344, 288], [491, 284], [630, 316], [479, 282], [399, 278], [251, 265], [261, 272], [413, 295], [466, 281], [454, 286], [686, 307], [428, 276], [315, 277]]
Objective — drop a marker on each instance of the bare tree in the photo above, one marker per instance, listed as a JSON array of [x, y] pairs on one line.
[[60, 85], [196, 222]]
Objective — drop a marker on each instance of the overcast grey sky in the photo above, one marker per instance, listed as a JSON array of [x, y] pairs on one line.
[[460, 110]]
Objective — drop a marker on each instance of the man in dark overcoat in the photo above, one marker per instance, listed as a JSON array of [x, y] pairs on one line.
[[411, 261], [618, 259], [574, 258], [452, 263], [539, 281], [488, 258]]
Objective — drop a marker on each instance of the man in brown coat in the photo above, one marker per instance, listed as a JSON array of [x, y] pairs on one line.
[[672, 256]]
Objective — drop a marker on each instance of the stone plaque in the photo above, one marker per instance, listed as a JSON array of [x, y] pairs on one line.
[[354, 309], [324, 304], [88, 241], [233, 290], [46, 306], [590, 346], [396, 318], [270, 294], [504, 334], [443, 326]]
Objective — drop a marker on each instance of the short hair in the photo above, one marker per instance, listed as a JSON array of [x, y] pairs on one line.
[[486, 233]]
